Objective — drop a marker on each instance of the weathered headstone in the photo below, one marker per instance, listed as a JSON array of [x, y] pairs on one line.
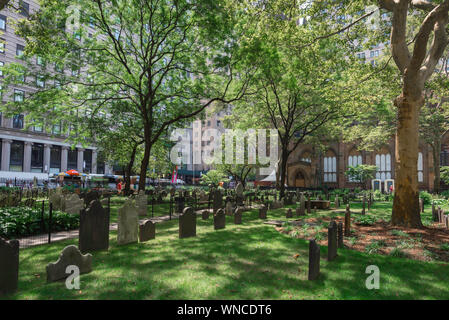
[[9, 266], [57, 199], [219, 220], [421, 205], [300, 210], [309, 205], [314, 260], [142, 203], [289, 213], [205, 214], [128, 223], [147, 231], [69, 256], [337, 202], [263, 212], [187, 223], [179, 204], [217, 201], [94, 228], [434, 213], [238, 215], [340, 235], [228, 208], [91, 196], [73, 204], [347, 221], [332, 241]]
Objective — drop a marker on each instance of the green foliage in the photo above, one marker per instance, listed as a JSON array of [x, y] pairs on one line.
[[361, 173], [444, 174], [24, 221], [427, 197], [374, 246], [213, 177], [396, 252], [366, 220]]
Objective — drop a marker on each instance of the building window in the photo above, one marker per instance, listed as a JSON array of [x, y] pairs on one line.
[[72, 159], [40, 61], [56, 129], [2, 45], [2, 64], [24, 8], [354, 160], [18, 95], [383, 164], [16, 157], [361, 56], [305, 157], [55, 159], [330, 168], [420, 168], [19, 50], [2, 22], [17, 121], [37, 128], [40, 81], [37, 157]]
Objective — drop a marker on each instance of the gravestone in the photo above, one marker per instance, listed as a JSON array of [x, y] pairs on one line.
[[69, 256], [263, 212], [332, 241], [289, 213], [73, 204], [91, 196], [239, 193], [337, 202], [347, 221], [434, 213], [421, 205], [179, 204], [217, 201], [94, 228], [340, 235], [9, 266], [128, 223], [205, 215], [228, 208], [141, 203], [314, 260], [147, 231], [300, 210], [219, 220], [238, 216], [56, 199], [187, 223]]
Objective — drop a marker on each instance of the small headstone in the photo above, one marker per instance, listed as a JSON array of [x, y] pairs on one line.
[[141, 203], [91, 196], [289, 213], [9, 266], [147, 231], [238, 216], [340, 235], [309, 205], [263, 212], [187, 223], [347, 221], [179, 204], [337, 202], [434, 213], [73, 204], [332, 241], [217, 200], [219, 220], [94, 228], [205, 214], [128, 223], [314, 260], [228, 208], [421, 205], [68, 257]]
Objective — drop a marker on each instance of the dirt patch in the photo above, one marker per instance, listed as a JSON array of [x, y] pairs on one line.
[[427, 244]]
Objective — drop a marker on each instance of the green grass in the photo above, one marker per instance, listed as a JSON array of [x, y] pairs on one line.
[[248, 261]]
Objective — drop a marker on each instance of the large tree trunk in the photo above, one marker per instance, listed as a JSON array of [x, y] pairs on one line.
[[406, 198], [128, 171], [436, 149]]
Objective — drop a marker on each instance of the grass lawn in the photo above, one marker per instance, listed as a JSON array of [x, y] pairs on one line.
[[248, 261]]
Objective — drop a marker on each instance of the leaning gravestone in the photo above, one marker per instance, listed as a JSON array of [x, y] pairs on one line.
[[94, 228], [141, 203], [205, 214], [73, 204], [332, 241], [219, 220], [187, 223], [147, 231], [289, 213], [9, 266], [314, 260], [128, 223], [238, 215], [263, 212], [340, 235], [70, 256]]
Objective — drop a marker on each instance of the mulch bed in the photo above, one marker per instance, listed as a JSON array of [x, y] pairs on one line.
[[418, 244]]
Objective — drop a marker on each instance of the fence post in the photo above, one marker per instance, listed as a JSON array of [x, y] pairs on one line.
[[50, 218]]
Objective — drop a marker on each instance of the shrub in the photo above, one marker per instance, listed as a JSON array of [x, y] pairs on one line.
[[427, 197], [444, 247], [366, 220], [24, 221]]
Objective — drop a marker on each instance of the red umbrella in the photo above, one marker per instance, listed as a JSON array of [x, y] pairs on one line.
[[73, 173]]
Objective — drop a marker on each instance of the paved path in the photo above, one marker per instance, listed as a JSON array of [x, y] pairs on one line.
[[73, 234]]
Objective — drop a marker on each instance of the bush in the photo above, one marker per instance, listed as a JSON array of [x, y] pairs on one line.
[[24, 221], [427, 197], [365, 220]]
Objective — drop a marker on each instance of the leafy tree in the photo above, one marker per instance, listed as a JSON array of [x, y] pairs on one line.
[[445, 174], [213, 177], [361, 173]]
